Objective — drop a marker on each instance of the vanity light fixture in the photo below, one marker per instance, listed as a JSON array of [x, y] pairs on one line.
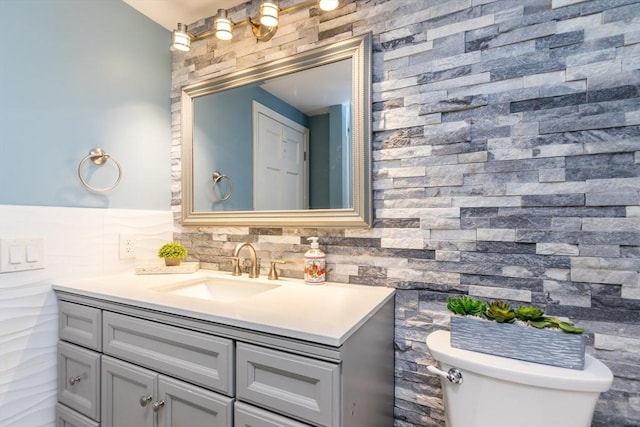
[[263, 26]]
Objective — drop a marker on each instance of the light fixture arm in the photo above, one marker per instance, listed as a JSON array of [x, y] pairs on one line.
[[261, 32]]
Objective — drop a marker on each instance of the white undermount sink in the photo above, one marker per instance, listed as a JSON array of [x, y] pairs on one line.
[[217, 289]]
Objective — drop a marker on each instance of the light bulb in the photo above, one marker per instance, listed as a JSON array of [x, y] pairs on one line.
[[223, 25], [180, 39], [269, 13], [328, 4]]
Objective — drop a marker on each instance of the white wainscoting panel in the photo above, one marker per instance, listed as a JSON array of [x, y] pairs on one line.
[[78, 242]]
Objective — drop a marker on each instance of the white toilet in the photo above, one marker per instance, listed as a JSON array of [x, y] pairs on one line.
[[499, 392]]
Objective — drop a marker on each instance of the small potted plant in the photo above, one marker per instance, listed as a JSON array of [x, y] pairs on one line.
[[525, 333], [172, 253]]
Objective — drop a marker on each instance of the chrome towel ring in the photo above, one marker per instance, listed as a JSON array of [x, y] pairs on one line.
[[99, 157], [217, 177]]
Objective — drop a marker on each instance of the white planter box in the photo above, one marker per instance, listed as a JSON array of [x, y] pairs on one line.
[[549, 347]]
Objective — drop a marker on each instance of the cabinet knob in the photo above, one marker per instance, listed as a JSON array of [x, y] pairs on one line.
[[145, 399], [75, 380], [159, 404]]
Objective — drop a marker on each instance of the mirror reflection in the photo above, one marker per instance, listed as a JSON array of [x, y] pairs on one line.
[[285, 143], [281, 143]]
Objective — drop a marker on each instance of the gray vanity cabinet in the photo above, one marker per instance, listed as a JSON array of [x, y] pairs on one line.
[[125, 365], [136, 396]]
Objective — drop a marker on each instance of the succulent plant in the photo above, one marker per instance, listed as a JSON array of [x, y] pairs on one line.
[[501, 312], [554, 322], [172, 250], [466, 306], [529, 312]]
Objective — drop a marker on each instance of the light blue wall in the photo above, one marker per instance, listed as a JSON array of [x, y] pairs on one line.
[[75, 75]]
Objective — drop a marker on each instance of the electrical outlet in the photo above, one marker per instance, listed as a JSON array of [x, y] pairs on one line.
[[127, 246]]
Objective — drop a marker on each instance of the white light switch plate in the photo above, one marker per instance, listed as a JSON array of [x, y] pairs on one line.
[[21, 254]]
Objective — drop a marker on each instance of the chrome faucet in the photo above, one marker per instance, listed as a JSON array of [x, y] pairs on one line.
[[253, 272]]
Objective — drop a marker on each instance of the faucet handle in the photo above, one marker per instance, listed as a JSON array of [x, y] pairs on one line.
[[273, 271]]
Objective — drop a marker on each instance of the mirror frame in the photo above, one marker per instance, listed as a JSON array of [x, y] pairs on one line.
[[360, 215]]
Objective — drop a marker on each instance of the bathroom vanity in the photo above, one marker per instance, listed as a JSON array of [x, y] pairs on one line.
[[209, 349]]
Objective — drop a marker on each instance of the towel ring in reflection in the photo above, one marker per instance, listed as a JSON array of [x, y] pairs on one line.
[[99, 157], [217, 177]]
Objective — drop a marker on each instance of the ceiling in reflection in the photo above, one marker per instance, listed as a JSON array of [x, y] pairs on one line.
[[311, 91]]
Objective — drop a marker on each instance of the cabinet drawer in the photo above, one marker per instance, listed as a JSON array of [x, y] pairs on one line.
[[66, 417], [198, 358], [80, 325], [297, 386], [250, 416], [79, 379]]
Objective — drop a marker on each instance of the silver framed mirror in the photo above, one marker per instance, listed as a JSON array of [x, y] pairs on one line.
[[316, 190]]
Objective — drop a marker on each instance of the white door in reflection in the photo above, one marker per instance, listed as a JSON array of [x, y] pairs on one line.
[[279, 147]]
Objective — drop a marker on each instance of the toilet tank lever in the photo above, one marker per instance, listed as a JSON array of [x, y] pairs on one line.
[[453, 375]]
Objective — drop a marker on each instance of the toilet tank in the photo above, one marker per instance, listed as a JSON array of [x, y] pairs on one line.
[[501, 392]]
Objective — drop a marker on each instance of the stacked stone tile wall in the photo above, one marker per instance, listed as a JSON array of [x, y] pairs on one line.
[[506, 166]]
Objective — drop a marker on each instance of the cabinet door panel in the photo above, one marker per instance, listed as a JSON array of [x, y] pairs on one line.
[[79, 379], [250, 416], [80, 325], [188, 405], [124, 389], [199, 358], [300, 387]]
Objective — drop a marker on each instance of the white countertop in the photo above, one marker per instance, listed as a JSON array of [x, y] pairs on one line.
[[326, 314]]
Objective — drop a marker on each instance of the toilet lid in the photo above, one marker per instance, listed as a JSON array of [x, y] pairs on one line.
[[594, 377]]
